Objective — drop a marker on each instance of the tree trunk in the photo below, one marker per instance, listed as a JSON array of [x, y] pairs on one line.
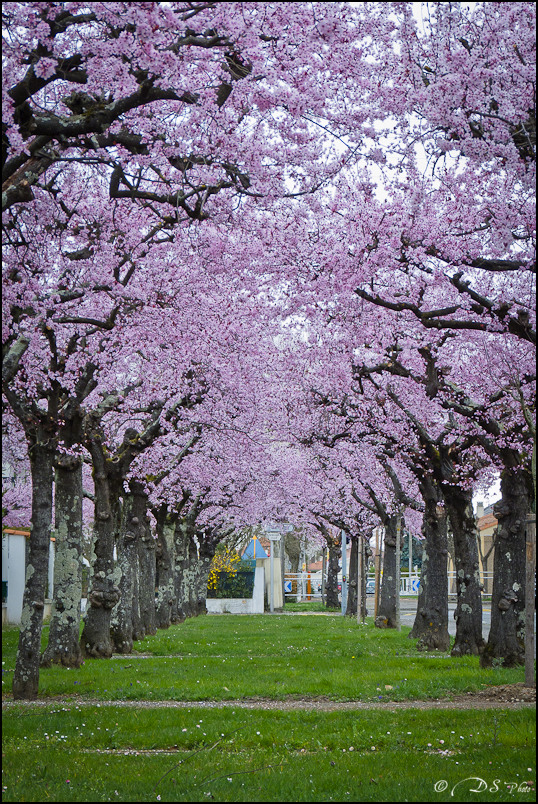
[[353, 578], [26, 675], [331, 590], [506, 642], [468, 614], [386, 611], [177, 569], [190, 578], [146, 580], [96, 641], [366, 554], [109, 472], [64, 633], [431, 621], [185, 569], [292, 547], [146, 560], [208, 545], [164, 576], [121, 626], [138, 626]]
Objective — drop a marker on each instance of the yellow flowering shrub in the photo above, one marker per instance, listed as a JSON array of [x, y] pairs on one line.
[[224, 560]]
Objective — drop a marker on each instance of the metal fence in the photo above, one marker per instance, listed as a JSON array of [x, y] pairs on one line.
[[307, 585]]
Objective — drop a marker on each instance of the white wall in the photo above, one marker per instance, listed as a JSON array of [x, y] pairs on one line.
[[14, 572], [13, 566], [253, 605]]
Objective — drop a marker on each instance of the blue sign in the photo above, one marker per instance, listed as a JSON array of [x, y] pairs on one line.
[[415, 583], [287, 586]]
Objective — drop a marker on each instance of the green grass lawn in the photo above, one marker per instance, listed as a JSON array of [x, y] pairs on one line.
[[75, 750], [228, 657]]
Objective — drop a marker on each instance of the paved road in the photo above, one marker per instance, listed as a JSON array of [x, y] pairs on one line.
[[408, 610]]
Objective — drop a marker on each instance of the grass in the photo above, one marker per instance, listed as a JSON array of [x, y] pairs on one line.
[[310, 605], [82, 751], [229, 657]]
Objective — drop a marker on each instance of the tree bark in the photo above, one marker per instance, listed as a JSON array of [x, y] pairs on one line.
[[208, 544], [331, 590], [431, 622], [96, 641], [146, 560], [366, 555], [353, 577], [386, 611], [181, 569], [64, 632], [26, 675], [138, 626], [121, 625], [146, 580], [109, 472], [506, 641], [468, 614], [164, 576], [190, 577]]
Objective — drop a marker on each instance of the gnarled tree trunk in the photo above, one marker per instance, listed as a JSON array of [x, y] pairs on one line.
[[184, 569], [209, 540], [468, 614], [146, 560], [164, 559], [386, 610], [96, 641], [26, 675], [331, 590], [191, 575], [506, 641], [121, 625], [353, 577], [431, 621], [138, 626], [64, 633]]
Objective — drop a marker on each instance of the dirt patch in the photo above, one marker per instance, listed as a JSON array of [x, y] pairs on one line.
[[506, 696], [505, 693]]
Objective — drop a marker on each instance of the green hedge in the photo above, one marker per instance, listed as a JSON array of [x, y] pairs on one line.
[[238, 584]]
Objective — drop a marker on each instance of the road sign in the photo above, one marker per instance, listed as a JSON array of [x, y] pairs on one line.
[[279, 527], [287, 587], [415, 583]]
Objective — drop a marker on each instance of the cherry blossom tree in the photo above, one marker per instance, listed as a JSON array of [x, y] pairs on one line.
[[361, 177]]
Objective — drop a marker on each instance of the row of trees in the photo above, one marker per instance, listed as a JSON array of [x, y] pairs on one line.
[[262, 261]]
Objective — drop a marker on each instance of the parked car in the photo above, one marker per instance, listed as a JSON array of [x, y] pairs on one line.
[[370, 586]]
